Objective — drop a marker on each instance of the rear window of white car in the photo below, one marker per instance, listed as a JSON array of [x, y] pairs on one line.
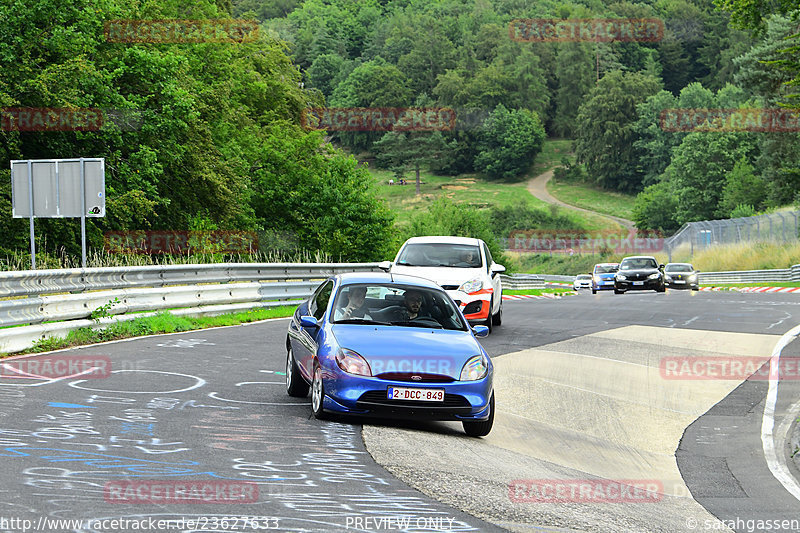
[[440, 255]]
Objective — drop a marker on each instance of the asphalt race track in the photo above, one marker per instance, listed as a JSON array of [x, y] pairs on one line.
[[582, 397]]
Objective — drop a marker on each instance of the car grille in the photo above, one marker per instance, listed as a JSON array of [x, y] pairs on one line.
[[472, 307], [450, 287], [378, 398], [407, 376]]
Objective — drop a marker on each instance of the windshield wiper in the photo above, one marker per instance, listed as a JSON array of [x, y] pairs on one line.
[[417, 324], [362, 321]]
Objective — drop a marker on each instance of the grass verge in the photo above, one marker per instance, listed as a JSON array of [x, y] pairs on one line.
[[590, 197], [536, 292], [164, 322]]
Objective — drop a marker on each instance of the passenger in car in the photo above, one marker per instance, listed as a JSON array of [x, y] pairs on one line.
[[356, 306]]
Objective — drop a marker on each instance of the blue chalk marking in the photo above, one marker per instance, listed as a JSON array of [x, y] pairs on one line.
[[70, 405]]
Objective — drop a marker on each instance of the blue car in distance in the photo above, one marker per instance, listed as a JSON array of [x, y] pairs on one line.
[[603, 276], [389, 346]]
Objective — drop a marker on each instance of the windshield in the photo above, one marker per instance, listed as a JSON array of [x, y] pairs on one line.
[[584, 276], [679, 268], [638, 263], [605, 269], [396, 305], [440, 255]]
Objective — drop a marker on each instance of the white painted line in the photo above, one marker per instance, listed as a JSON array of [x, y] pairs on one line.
[[778, 468]]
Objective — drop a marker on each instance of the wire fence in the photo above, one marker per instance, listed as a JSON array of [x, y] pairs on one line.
[[695, 236]]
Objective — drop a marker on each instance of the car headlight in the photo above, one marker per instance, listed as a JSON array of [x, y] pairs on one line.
[[598, 279], [476, 368], [692, 277], [473, 285], [654, 275], [620, 277], [352, 363], [667, 278]]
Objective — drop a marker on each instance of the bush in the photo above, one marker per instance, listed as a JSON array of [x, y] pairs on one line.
[[509, 142]]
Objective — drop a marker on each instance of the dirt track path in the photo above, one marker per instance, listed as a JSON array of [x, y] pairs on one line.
[[538, 187]]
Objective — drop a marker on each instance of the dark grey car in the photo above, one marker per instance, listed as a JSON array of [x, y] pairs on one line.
[[681, 276], [639, 273]]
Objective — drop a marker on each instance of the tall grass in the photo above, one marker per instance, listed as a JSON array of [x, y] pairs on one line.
[[742, 256], [17, 260]]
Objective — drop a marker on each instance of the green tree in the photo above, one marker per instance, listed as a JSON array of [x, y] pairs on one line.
[[699, 170], [444, 217], [321, 195], [742, 187], [655, 208], [509, 142], [574, 71], [401, 151], [606, 130]]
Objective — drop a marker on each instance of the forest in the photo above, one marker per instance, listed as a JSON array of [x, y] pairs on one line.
[[210, 134]]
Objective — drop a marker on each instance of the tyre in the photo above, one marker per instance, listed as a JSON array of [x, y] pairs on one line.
[[617, 291], [489, 319], [482, 428], [663, 288], [317, 393], [498, 318], [594, 291], [295, 384]]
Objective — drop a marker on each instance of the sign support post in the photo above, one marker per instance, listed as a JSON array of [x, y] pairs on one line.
[[30, 206]]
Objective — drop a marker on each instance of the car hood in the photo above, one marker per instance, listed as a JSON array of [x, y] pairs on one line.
[[441, 275], [408, 349], [640, 272]]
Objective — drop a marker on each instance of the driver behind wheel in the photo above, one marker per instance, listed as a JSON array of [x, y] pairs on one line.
[[412, 308]]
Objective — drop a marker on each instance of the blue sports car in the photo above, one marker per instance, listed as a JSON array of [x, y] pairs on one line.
[[390, 346]]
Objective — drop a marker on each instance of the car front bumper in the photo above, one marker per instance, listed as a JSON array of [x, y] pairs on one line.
[[646, 285], [604, 285], [685, 285], [368, 396], [476, 307]]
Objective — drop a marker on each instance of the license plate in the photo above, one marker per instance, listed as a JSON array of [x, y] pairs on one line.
[[638, 282], [608, 282], [419, 395]]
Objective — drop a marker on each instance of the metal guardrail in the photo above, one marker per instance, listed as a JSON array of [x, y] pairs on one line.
[[70, 296], [522, 281], [752, 276], [38, 282]]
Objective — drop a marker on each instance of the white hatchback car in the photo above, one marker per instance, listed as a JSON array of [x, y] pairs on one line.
[[461, 266]]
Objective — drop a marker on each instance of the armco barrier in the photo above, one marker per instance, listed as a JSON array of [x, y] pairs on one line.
[[752, 276], [522, 281], [70, 296]]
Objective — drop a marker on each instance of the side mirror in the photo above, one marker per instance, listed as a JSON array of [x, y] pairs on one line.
[[480, 331], [309, 322], [497, 268], [661, 267], [385, 265]]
